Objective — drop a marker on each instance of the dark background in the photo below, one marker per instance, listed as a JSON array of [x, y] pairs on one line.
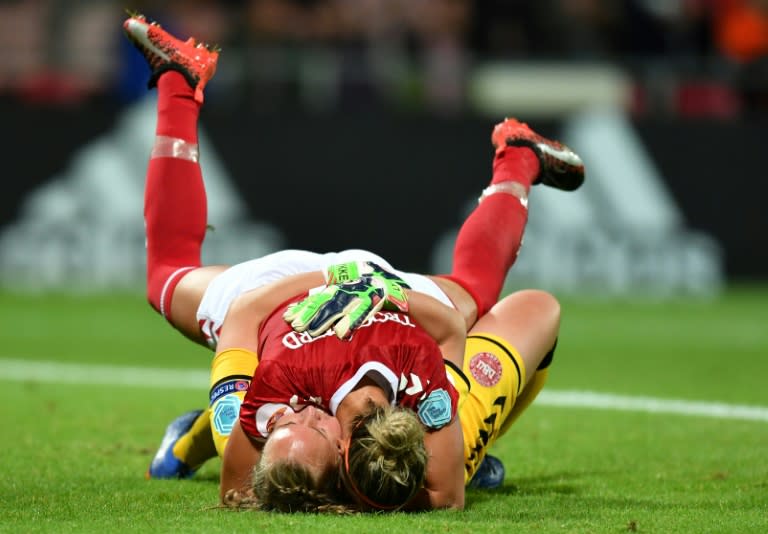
[[330, 113], [322, 178]]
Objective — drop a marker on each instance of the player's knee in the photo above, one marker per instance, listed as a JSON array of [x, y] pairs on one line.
[[546, 309], [544, 305], [543, 300], [549, 308]]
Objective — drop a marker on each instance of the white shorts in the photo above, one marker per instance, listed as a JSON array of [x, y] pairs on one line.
[[238, 279]]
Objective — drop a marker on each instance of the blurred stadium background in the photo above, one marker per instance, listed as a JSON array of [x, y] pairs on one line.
[[326, 114]]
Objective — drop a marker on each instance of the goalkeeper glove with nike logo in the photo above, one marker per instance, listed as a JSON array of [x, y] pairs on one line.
[[343, 307], [394, 286]]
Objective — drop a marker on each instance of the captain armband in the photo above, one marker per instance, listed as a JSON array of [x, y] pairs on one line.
[[231, 373]]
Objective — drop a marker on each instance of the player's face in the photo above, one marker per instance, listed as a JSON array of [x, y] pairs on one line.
[[311, 437]]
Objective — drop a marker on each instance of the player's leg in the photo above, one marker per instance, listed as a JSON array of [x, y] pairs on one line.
[[517, 335], [175, 218], [195, 437], [174, 201], [490, 238], [186, 445], [529, 320], [490, 473], [530, 391]]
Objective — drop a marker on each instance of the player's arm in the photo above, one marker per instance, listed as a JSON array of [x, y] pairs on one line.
[[444, 324], [444, 484], [236, 357], [241, 325], [240, 457], [357, 290], [240, 332]]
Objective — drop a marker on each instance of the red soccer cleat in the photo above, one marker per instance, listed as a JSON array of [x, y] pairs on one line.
[[163, 52], [561, 167]]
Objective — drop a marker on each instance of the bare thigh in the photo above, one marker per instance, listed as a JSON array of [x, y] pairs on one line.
[[186, 299]]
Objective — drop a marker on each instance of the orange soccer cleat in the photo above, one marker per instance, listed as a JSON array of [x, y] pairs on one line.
[[561, 167], [196, 61]]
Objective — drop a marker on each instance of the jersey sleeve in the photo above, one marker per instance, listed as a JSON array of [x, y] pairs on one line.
[[265, 400], [432, 396]]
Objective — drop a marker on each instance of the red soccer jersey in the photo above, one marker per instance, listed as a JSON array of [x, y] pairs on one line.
[[296, 370]]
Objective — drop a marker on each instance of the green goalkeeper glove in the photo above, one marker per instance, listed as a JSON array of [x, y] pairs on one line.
[[342, 306], [394, 286]]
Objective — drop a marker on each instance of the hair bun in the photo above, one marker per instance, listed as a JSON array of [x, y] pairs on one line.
[[397, 432], [387, 457]]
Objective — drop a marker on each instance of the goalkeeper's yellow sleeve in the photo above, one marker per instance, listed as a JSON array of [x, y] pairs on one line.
[[231, 373]]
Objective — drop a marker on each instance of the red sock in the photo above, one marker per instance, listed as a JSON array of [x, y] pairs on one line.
[[177, 111], [515, 164], [490, 238], [175, 211]]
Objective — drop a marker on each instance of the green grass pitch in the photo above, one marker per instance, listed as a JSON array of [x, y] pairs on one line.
[[74, 454]]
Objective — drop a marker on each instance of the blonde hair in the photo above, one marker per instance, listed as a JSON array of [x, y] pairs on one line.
[[386, 461], [285, 486]]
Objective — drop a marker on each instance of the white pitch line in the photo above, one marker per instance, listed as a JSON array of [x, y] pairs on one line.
[[109, 375], [18, 370], [624, 403]]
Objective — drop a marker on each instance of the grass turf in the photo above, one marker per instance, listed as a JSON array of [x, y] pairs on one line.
[[74, 455]]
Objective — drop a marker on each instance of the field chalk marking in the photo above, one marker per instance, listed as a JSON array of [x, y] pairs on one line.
[[624, 403], [98, 374], [18, 370]]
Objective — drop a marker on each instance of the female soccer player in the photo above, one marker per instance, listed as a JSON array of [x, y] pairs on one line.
[[215, 305]]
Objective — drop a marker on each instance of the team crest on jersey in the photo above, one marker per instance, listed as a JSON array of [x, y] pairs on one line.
[[435, 410], [486, 368], [225, 413]]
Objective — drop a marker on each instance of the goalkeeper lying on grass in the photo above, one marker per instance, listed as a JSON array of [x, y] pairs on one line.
[[367, 419]]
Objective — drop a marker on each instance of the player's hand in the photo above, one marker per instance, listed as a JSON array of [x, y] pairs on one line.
[[343, 307], [394, 286]]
